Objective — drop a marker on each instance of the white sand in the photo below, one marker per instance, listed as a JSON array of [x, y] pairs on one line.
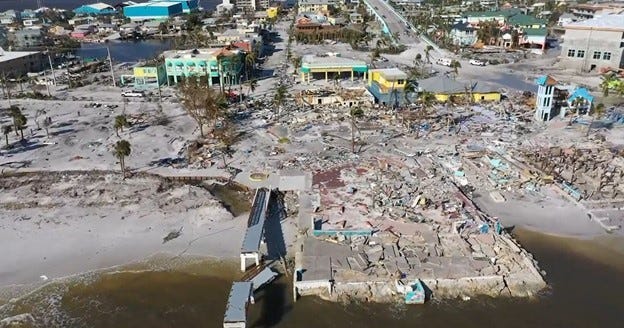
[[80, 224]]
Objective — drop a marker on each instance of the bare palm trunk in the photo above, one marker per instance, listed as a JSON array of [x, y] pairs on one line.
[[122, 165], [6, 139], [201, 130], [22, 133], [352, 136], [116, 132], [47, 132]]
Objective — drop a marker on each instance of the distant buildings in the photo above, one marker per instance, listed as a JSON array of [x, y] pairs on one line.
[[594, 44], [188, 6], [463, 34], [17, 63], [590, 11], [95, 9], [28, 38], [159, 10]]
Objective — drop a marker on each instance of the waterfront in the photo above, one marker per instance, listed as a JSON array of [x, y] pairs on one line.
[[584, 276], [126, 51]]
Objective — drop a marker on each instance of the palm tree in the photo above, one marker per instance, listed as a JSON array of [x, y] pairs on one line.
[[6, 130], [250, 61], [47, 122], [120, 123], [20, 123], [607, 81], [355, 114], [410, 88], [14, 112], [280, 95], [252, 85], [122, 150], [455, 65], [427, 53]]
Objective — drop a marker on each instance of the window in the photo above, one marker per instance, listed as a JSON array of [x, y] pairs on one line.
[[606, 56], [597, 54], [622, 44], [580, 54], [571, 52]]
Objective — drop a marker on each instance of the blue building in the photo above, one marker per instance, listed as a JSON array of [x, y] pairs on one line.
[[161, 10], [95, 9], [188, 6]]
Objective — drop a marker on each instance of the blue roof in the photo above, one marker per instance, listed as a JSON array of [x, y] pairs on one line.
[[545, 80], [255, 223], [236, 310], [581, 93]]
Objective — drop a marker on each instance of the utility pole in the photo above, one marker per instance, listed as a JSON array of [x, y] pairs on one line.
[[110, 62], [51, 67]]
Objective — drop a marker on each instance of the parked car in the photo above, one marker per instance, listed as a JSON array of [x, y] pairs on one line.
[[132, 93], [444, 62], [477, 62]]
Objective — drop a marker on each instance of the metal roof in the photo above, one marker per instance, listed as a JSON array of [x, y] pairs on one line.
[[265, 276], [313, 61], [255, 223], [236, 310], [441, 84], [603, 22]]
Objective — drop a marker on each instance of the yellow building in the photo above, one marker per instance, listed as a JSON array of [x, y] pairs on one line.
[[387, 78], [444, 89], [145, 77], [314, 6], [272, 12]]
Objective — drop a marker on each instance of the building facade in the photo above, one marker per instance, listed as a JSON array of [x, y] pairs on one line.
[[152, 10], [387, 86], [188, 6], [331, 65], [28, 38], [95, 9], [221, 66], [594, 44], [148, 77], [15, 64]]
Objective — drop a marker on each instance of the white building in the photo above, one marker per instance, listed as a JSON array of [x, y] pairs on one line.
[[593, 44]]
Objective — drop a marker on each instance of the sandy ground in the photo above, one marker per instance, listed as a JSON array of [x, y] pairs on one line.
[[550, 214], [77, 223]]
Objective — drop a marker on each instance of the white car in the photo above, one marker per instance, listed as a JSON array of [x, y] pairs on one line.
[[132, 94], [444, 62], [476, 62]]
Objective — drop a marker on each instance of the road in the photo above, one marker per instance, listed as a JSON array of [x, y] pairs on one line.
[[395, 24]]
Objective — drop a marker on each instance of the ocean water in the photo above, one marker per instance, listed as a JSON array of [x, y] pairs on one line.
[[586, 289]]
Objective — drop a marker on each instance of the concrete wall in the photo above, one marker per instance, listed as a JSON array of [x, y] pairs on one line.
[[591, 41]]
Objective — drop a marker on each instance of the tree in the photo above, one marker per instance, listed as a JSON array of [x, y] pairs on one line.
[[6, 130], [38, 113], [203, 104], [410, 88], [280, 95], [226, 137], [250, 61], [252, 85], [607, 81], [20, 124], [120, 123], [47, 122], [122, 150], [14, 112], [427, 53], [354, 114], [455, 65]]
